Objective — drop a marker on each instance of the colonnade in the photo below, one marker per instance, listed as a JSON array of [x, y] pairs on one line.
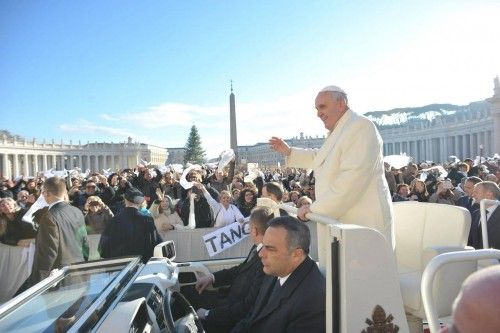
[[439, 148], [30, 163]]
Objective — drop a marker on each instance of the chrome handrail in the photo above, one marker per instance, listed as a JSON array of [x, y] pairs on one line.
[[484, 226], [430, 272]]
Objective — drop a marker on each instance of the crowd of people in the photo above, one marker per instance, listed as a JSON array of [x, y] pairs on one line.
[[219, 199], [134, 209], [462, 184]]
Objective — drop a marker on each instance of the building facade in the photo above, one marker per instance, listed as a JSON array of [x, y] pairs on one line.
[[261, 152], [466, 132], [27, 158]]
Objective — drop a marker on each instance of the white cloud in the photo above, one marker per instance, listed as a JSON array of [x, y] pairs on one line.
[[108, 117], [85, 126]]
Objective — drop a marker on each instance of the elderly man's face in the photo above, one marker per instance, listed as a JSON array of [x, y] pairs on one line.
[[330, 110]]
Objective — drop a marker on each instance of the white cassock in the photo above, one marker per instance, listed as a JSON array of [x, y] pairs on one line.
[[349, 171]]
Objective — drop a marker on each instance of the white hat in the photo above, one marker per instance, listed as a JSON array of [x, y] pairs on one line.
[[333, 89]]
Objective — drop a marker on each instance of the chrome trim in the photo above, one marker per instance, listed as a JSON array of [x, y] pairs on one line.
[[431, 270], [114, 284], [56, 275]]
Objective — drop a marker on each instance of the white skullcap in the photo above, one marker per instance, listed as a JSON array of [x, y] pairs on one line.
[[333, 89]]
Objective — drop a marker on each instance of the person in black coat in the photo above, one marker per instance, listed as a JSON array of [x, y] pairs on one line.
[[221, 310], [491, 191], [130, 233], [15, 229], [202, 210], [466, 201], [292, 296]]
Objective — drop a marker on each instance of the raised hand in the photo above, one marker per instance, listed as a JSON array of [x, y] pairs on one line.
[[279, 145]]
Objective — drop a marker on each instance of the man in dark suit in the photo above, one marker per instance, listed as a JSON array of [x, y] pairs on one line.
[[220, 311], [292, 297], [467, 201], [130, 233], [491, 191], [62, 237]]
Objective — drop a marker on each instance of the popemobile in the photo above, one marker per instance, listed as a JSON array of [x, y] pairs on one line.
[[370, 286]]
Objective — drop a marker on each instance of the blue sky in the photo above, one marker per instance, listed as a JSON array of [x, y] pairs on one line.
[[104, 70]]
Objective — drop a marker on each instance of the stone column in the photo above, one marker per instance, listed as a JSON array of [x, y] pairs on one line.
[[35, 165], [26, 169], [113, 164], [44, 162], [445, 149], [5, 168], [80, 165], [495, 115], [96, 163], [15, 161]]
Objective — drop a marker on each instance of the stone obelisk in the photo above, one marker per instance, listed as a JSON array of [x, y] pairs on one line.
[[495, 114], [232, 121]]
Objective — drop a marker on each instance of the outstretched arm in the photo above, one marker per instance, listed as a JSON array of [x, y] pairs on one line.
[[279, 145]]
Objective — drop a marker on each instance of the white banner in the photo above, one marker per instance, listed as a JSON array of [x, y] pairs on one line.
[[38, 204], [226, 237]]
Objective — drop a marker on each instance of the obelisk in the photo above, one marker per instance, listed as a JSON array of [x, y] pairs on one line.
[[232, 121], [495, 114]]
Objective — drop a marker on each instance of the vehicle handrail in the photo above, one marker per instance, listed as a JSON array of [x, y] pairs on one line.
[[311, 216], [430, 272], [484, 228]]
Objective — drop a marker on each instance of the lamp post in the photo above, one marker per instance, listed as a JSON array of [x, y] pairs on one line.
[[480, 152]]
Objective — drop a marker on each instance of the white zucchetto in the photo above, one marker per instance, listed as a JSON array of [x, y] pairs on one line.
[[333, 89]]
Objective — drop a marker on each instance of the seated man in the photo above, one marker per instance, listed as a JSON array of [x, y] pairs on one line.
[[467, 201], [293, 293], [476, 306], [490, 191], [221, 311]]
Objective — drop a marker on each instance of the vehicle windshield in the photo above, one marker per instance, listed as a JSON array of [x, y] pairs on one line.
[[57, 308]]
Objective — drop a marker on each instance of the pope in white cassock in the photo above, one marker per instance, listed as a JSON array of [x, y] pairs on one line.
[[349, 170]]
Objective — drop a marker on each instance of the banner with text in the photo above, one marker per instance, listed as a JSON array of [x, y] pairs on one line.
[[226, 237]]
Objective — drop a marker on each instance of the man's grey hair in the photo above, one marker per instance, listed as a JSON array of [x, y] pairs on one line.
[[490, 187], [298, 234]]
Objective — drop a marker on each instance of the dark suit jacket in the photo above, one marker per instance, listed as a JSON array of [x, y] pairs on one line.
[[245, 280], [466, 202], [476, 237], [129, 234], [299, 305], [61, 239]]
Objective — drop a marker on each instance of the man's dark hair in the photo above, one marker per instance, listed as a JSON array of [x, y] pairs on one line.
[[298, 234], [474, 180], [260, 216], [275, 189]]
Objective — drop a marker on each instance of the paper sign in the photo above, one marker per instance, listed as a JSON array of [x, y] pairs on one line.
[[226, 237], [38, 204]]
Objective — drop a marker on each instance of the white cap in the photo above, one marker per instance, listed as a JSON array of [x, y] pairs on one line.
[[333, 89]]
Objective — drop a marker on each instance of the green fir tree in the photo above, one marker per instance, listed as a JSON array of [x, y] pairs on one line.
[[194, 151]]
